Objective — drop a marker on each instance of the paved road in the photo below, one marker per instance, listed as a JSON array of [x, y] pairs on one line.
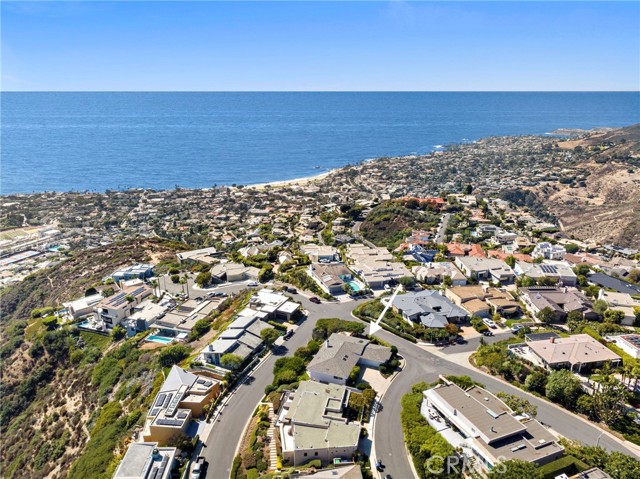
[[421, 365], [440, 235], [226, 434]]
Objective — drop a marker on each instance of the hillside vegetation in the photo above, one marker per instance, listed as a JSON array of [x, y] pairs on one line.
[[601, 202], [71, 399], [390, 223]]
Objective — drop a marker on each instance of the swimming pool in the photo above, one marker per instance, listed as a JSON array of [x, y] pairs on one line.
[[354, 286], [159, 339]]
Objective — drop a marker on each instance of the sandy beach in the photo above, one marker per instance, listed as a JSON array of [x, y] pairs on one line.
[[294, 182]]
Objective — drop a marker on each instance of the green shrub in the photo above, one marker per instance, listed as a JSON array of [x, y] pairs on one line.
[[173, 355]]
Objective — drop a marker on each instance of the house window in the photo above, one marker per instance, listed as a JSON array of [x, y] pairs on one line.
[[305, 454], [316, 453]]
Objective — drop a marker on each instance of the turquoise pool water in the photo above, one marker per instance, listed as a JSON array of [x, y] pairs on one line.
[[354, 286], [159, 339]]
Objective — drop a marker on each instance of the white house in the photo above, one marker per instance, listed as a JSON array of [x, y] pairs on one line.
[[547, 250]]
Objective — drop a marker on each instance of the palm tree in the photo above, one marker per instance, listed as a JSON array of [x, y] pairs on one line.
[[154, 285]]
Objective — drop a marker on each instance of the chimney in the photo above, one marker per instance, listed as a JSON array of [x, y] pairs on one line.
[[328, 343]]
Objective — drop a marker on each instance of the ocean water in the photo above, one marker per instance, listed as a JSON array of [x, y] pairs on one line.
[[99, 141]]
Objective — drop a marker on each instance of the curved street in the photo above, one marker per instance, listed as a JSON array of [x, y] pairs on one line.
[[421, 365]]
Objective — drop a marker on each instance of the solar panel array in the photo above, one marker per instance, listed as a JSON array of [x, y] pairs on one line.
[[168, 422], [635, 340], [549, 269], [183, 415], [155, 411], [122, 297], [171, 410], [160, 399], [204, 382]]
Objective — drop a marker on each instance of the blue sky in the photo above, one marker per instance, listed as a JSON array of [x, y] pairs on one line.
[[286, 46]]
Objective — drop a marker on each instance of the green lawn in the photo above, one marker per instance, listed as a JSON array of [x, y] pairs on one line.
[[99, 341]]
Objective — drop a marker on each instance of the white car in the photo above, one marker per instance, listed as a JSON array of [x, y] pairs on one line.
[[489, 322], [252, 283]]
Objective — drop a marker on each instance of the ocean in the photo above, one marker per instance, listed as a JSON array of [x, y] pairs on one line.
[[98, 141]]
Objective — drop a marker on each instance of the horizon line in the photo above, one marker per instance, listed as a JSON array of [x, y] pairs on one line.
[[320, 91]]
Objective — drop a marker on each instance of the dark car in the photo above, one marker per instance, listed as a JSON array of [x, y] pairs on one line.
[[461, 341], [487, 333], [314, 299], [292, 290], [287, 335], [388, 476], [379, 465]]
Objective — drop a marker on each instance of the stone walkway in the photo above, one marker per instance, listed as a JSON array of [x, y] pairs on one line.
[[271, 434]]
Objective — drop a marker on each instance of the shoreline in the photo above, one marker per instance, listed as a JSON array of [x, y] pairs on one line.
[[303, 181]]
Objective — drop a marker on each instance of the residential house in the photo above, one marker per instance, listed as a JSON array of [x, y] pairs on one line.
[[503, 237], [485, 428], [420, 238], [560, 271], [231, 272], [429, 308], [609, 282], [337, 471], [574, 353], [319, 253], [508, 251], [180, 320], [482, 301], [137, 271], [113, 310], [629, 343], [621, 302], [490, 269], [330, 277], [146, 460], [433, 273], [413, 252], [204, 256], [81, 307], [561, 300], [312, 424], [547, 250], [144, 317], [182, 396], [461, 249], [340, 353], [375, 266], [242, 337]]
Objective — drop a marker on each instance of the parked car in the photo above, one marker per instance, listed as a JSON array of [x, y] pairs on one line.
[[487, 333], [287, 335], [379, 465], [315, 299], [291, 290], [461, 340], [516, 328], [252, 283], [489, 322], [199, 468]]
